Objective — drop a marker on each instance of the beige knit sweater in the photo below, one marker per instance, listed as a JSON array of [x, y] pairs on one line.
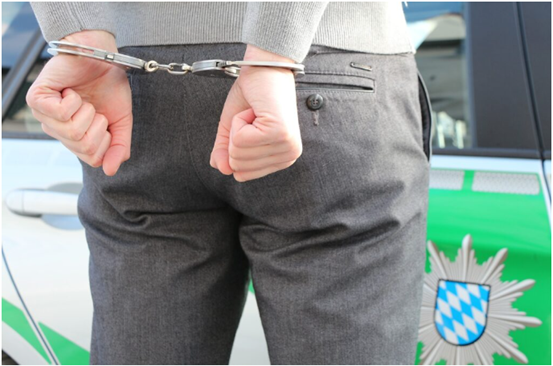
[[285, 28]]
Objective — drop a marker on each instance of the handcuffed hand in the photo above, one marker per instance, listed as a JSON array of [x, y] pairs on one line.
[[86, 104], [258, 132]]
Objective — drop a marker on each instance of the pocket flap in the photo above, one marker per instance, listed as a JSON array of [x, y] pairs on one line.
[[329, 77]]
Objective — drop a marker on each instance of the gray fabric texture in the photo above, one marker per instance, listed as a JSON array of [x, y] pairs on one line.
[[335, 244], [285, 28]]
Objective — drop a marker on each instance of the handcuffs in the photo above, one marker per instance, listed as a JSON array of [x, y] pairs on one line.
[[213, 68]]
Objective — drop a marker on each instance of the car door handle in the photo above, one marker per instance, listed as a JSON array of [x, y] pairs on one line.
[[37, 202]]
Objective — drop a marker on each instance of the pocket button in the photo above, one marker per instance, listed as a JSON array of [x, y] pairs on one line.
[[315, 101]]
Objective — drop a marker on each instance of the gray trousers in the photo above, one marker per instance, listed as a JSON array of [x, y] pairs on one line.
[[335, 244]]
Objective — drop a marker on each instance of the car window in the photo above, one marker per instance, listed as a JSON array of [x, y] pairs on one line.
[[475, 73], [438, 32], [536, 22], [19, 25], [9, 12], [19, 118]]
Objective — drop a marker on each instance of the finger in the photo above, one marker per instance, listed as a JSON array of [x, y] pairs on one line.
[[240, 121], [245, 134], [254, 153], [96, 160], [52, 103], [219, 155], [75, 128], [246, 176], [120, 148], [253, 165], [234, 104], [90, 142]]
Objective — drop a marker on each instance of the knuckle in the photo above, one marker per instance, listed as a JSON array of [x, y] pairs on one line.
[[233, 151], [284, 136], [234, 165], [285, 165], [239, 141], [46, 129], [74, 133], [295, 152], [34, 112], [89, 148], [30, 97], [289, 157], [103, 122], [95, 162], [65, 114], [88, 108], [239, 178]]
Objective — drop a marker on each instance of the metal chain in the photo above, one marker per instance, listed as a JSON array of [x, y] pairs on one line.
[[172, 68], [216, 68]]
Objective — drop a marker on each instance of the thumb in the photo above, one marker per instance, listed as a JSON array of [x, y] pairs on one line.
[[241, 120], [61, 106], [234, 104], [119, 150], [219, 155]]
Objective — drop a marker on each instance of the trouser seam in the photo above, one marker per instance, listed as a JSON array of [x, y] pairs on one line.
[[196, 171]]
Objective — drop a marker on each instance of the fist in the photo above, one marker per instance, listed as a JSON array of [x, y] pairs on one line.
[[258, 132], [86, 104]]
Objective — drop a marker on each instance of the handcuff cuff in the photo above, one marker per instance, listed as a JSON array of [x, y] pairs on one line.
[[213, 68]]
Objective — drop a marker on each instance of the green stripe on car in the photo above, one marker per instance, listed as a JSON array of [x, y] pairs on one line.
[[67, 352], [15, 318]]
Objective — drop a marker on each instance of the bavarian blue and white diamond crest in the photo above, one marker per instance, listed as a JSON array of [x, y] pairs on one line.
[[461, 311]]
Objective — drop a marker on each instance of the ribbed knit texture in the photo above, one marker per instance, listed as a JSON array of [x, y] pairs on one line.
[[285, 28]]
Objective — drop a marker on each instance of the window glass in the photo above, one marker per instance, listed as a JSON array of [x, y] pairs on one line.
[[18, 26], [537, 36], [9, 12], [438, 32], [19, 117]]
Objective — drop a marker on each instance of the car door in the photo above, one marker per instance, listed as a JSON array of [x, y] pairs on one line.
[[535, 35], [487, 178], [42, 239]]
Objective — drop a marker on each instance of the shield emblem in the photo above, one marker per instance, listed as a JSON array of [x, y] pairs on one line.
[[461, 311]]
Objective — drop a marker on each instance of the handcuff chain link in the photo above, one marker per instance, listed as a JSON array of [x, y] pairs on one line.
[[172, 68]]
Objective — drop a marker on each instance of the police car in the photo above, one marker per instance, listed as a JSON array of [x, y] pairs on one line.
[[487, 292]]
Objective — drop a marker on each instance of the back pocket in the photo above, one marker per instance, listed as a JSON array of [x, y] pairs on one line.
[[339, 70], [335, 81]]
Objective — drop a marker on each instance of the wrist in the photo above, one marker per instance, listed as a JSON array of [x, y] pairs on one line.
[[93, 38], [254, 53]]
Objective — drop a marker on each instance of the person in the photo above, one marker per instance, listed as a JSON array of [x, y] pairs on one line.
[[316, 187]]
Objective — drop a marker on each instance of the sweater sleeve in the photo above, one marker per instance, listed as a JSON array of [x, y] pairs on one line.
[[59, 19], [284, 28]]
